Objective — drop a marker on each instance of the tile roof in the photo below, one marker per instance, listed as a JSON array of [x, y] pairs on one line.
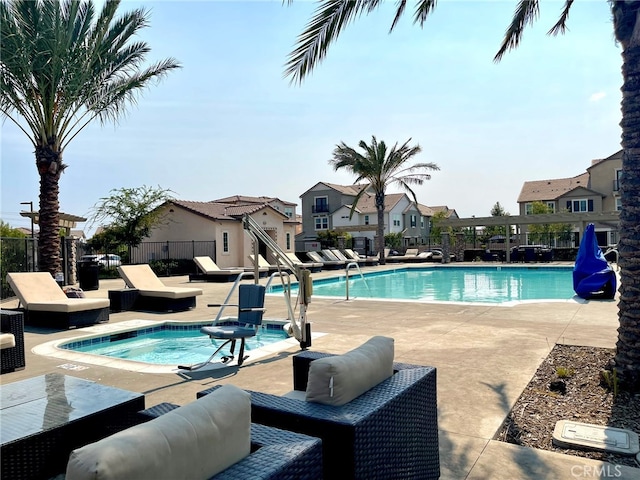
[[541, 190], [222, 211], [244, 199]]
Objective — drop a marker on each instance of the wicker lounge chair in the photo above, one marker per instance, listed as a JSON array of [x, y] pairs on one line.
[[210, 272], [45, 304], [391, 431], [154, 295], [325, 262], [12, 345], [353, 255], [263, 264], [311, 266]]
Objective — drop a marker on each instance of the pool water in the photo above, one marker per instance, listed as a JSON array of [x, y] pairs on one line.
[[169, 344], [455, 284]]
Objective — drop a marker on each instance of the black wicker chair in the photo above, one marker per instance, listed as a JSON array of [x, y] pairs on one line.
[[391, 431], [275, 454], [12, 357]]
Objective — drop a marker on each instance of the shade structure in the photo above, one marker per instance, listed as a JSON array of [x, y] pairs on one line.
[[593, 276]]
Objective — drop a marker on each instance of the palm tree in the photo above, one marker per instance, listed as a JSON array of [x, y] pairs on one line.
[[332, 16], [60, 70], [381, 167]]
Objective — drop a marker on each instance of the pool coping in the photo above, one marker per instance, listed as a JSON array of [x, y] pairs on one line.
[[51, 349]]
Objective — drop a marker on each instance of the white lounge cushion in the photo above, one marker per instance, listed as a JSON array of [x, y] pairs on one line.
[[195, 441], [7, 340], [70, 305], [39, 292], [338, 379], [143, 278], [209, 267]]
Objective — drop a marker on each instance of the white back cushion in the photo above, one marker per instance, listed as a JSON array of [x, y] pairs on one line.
[[339, 379], [195, 441]]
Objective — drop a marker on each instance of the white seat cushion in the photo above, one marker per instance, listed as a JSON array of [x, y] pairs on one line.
[[195, 441], [7, 340], [338, 379]]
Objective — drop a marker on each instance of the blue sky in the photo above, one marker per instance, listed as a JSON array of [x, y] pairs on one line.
[[228, 123]]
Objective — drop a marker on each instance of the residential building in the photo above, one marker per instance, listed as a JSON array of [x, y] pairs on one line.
[[220, 221], [327, 206], [596, 190]]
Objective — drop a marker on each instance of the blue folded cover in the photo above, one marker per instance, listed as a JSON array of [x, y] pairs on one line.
[[593, 277]]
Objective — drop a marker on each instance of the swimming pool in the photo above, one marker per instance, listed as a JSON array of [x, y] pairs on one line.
[[493, 285]]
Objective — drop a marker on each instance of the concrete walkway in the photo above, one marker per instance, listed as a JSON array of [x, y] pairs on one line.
[[484, 355]]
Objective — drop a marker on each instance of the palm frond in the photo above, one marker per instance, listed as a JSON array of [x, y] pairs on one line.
[[401, 6], [423, 9], [326, 24], [527, 12], [561, 24]]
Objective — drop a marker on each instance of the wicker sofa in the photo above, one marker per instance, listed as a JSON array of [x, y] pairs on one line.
[[12, 344], [390, 431]]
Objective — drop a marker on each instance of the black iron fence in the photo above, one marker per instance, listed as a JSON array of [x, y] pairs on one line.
[[16, 255]]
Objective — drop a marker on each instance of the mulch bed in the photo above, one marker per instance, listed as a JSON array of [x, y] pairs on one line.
[[581, 394]]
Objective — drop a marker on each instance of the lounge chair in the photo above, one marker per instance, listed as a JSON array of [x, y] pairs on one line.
[[210, 272], [45, 304], [263, 264], [326, 263], [347, 259], [155, 295], [353, 255], [390, 431], [311, 266], [412, 255], [250, 311]]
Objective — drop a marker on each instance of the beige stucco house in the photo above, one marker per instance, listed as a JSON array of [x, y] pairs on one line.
[[220, 221]]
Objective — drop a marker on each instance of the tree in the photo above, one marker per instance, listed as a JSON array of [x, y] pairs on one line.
[[542, 232], [62, 68], [381, 167], [496, 230], [331, 17], [131, 212]]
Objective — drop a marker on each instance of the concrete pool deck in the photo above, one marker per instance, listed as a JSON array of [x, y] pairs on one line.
[[485, 356]]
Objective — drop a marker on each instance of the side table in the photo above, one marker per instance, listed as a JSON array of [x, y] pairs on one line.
[[123, 299]]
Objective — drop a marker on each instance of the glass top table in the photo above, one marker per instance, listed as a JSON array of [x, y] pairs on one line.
[[42, 419]]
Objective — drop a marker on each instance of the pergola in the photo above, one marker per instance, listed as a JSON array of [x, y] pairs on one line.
[[579, 219], [67, 221]]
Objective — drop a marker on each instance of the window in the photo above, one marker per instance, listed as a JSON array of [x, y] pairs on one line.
[[414, 221], [288, 211], [422, 222], [288, 241], [366, 219], [582, 205], [616, 182], [618, 203], [528, 208], [320, 205], [322, 223], [396, 220], [225, 242], [552, 207]]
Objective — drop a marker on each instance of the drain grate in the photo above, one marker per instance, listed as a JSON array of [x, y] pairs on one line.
[[570, 434]]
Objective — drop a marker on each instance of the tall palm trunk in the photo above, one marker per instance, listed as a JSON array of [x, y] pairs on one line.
[[627, 357], [380, 229], [50, 167]]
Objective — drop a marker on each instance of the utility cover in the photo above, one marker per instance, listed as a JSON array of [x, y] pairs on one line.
[[570, 434]]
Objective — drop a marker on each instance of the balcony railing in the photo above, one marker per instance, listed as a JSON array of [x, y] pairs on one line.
[[320, 209]]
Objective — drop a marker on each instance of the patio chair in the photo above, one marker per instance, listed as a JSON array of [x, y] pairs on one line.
[[45, 304], [263, 264], [210, 272], [11, 341], [389, 431], [209, 438], [353, 255], [326, 263], [250, 311], [155, 295], [311, 266]]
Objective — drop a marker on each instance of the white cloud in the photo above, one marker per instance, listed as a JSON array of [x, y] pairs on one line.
[[596, 97]]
